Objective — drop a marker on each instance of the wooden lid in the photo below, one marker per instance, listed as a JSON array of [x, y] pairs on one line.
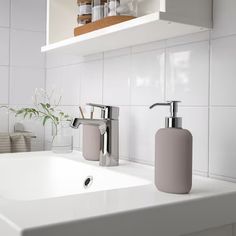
[[84, 1], [85, 17]]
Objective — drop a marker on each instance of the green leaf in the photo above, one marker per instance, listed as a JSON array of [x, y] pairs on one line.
[[26, 113], [45, 120], [12, 110], [19, 112]]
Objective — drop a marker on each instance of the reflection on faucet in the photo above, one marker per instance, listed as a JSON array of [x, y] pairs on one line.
[[109, 129]]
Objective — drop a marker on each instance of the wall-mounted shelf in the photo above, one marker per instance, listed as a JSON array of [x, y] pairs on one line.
[[173, 18]]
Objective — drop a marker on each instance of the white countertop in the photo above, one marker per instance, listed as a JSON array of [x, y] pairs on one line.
[[211, 203]]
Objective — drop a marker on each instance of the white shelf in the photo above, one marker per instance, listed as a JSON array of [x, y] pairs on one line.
[[148, 28]]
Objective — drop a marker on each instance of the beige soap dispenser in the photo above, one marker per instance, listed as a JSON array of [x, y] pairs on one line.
[[173, 154]]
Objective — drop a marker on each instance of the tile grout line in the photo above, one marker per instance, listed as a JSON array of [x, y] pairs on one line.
[[165, 71], [224, 36], [9, 62], [222, 177], [80, 98], [45, 88], [103, 69], [209, 103], [130, 106]]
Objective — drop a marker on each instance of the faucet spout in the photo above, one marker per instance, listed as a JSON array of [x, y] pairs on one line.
[[95, 122]]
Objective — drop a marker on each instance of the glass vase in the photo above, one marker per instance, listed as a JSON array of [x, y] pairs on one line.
[[62, 138]]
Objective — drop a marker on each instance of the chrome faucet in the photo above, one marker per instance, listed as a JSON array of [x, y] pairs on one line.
[[109, 129]]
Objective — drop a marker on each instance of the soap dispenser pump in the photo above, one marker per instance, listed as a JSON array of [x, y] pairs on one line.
[[173, 154]]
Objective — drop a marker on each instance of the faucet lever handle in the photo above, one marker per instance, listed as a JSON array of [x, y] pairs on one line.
[[108, 112], [97, 105]]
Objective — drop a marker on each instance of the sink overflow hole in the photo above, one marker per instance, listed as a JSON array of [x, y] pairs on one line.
[[88, 182]]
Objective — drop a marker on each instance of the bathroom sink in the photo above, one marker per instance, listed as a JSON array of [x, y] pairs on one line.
[[25, 178], [43, 193]]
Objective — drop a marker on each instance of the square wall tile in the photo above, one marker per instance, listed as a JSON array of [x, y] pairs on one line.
[[65, 82], [117, 52], [147, 79], [190, 38], [224, 18], [144, 123], [221, 231], [149, 46], [28, 14], [4, 46], [4, 78], [117, 80], [4, 13], [223, 141], [26, 48], [32, 125], [91, 82], [4, 120], [56, 59], [223, 71], [93, 57], [188, 74], [23, 82], [195, 119]]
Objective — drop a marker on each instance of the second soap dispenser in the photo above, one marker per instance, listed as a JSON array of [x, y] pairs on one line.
[[173, 154]]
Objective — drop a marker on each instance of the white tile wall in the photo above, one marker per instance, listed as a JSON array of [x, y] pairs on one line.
[[28, 15], [147, 80], [143, 126], [4, 120], [4, 78], [91, 82], [65, 81], [196, 120], [188, 73], [22, 66], [23, 81], [4, 46], [4, 13], [223, 72], [25, 48], [191, 38], [224, 18], [198, 69], [117, 80], [125, 131], [57, 59], [222, 141]]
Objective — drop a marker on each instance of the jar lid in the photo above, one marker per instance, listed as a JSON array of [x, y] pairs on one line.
[[84, 1], [85, 17]]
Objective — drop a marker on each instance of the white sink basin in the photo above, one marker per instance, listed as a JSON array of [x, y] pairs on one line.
[[38, 177]]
